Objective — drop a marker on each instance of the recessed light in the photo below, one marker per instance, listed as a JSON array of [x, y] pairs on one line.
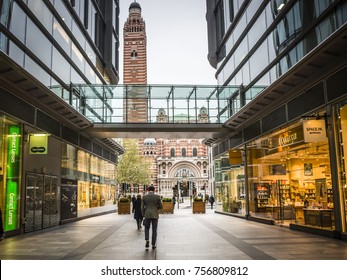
[[280, 7]]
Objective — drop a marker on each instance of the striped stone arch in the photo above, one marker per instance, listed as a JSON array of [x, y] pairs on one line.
[[184, 164]]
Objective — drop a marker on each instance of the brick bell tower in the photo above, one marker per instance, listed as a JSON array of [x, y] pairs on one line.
[[135, 65]]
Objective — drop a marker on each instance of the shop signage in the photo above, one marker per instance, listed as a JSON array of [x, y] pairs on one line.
[[288, 138], [314, 131], [12, 177], [68, 202], [96, 178], [235, 156], [38, 144]]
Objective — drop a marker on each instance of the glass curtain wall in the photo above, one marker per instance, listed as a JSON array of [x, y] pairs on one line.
[[245, 63]]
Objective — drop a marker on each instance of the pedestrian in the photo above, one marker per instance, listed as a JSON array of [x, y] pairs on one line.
[[207, 198], [2, 233], [151, 203], [137, 211], [211, 201], [174, 201], [133, 199]]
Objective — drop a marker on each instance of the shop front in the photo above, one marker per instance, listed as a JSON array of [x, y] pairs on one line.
[[90, 183], [230, 185], [289, 176]]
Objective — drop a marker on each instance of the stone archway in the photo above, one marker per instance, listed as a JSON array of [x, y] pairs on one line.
[[169, 181], [184, 175]]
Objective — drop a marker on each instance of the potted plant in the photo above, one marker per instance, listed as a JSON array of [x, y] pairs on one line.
[[124, 205], [199, 206], [234, 206], [168, 206]]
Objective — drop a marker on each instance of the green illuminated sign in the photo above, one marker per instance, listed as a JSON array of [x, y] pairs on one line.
[[12, 177]]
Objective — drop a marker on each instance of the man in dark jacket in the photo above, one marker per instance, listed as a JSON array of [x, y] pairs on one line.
[[151, 203]]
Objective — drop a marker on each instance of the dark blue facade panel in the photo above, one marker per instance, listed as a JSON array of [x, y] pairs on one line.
[[336, 85], [69, 135], [106, 154], [306, 102], [236, 140], [47, 123], [97, 149], [252, 131], [16, 107], [274, 119], [86, 144]]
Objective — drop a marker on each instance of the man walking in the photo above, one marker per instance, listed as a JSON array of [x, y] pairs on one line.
[[151, 203]]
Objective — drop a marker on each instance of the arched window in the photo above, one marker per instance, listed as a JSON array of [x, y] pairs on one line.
[[133, 54], [172, 152], [195, 152], [184, 152]]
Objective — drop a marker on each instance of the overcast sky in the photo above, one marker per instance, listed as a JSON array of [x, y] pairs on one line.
[[176, 41]]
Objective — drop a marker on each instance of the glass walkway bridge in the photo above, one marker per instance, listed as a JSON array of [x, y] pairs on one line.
[[136, 111]]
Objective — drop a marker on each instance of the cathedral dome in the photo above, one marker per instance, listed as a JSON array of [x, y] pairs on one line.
[[150, 142], [135, 5], [161, 112]]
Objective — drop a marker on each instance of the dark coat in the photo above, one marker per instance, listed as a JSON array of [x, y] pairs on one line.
[[137, 209], [151, 203]]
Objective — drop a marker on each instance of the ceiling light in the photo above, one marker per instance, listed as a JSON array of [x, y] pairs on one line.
[[280, 7]]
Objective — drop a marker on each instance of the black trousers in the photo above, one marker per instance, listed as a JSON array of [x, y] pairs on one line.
[[154, 223], [138, 222]]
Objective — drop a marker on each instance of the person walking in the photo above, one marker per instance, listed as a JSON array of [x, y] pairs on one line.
[[151, 203], [174, 201], [137, 211], [133, 199], [211, 201]]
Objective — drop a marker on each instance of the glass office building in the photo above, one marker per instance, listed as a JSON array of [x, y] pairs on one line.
[[284, 162], [50, 168]]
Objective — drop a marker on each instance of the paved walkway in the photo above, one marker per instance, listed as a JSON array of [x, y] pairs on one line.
[[181, 236]]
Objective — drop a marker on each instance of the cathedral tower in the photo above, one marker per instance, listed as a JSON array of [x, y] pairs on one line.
[[135, 65]]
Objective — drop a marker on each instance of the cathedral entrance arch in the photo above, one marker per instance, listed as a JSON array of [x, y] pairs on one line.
[[185, 176]]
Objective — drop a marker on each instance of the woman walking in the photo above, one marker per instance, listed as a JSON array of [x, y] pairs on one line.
[[137, 211]]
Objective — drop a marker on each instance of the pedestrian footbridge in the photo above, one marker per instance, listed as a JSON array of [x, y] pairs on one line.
[[142, 111]]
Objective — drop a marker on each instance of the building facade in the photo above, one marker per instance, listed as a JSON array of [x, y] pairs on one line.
[[179, 166], [284, 162], [175, 163], [51, 171]]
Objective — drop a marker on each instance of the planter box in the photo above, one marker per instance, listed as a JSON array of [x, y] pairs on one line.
[[123, 207], [168, 208], [199, 207], [234, 207]]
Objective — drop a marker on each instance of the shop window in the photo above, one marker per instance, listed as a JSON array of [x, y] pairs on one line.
[[289, 178]]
